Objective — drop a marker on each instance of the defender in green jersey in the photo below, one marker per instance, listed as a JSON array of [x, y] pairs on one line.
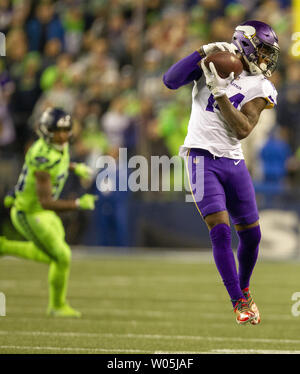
[[46, 168]]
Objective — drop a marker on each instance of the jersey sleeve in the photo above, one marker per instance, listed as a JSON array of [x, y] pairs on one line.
[[266, 90], [270, 94], [183, 72]]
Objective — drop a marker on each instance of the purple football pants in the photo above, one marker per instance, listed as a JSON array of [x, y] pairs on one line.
[[227, 186]]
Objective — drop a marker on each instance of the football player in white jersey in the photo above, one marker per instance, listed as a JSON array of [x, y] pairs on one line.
[[224, 111]]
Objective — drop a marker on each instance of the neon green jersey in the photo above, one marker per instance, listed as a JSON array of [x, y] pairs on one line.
[[41, 156]]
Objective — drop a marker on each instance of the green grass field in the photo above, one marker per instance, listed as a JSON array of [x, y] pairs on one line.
[[146, 305]]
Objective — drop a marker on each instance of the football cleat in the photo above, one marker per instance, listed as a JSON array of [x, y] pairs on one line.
[[243, 312], [252, 305], [63, 311]]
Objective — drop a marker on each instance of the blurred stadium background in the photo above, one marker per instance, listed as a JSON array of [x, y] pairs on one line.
[[103, 61]]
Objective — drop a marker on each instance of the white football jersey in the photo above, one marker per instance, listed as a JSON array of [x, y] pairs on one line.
[[208, 129]]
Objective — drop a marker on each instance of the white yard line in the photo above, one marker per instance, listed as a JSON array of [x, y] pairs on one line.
[[69, 349], [149, 336], [95, 350], [182, 352], [259, 351]]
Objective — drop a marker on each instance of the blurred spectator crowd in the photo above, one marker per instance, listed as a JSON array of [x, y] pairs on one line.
[[103, 61]]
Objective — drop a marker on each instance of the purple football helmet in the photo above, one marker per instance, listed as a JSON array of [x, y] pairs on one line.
[[258, 44]]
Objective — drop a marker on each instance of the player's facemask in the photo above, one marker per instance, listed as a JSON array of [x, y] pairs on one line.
[[267, 59], [263, 60]]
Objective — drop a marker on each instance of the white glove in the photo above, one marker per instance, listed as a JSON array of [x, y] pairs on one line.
[[219, 46], [214, 82]]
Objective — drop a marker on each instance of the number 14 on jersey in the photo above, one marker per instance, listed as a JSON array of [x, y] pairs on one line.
[[235, 100]]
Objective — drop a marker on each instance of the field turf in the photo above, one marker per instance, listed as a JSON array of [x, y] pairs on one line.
[[138, 304]]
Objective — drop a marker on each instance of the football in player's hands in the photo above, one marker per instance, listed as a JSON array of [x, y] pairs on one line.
[[225, 63]]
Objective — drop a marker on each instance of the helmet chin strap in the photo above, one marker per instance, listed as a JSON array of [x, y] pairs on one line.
[[263, 67], [254, 69]]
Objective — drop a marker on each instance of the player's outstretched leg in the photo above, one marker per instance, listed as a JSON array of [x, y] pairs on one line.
[[45, 233], [58, 272], [26, 250], [247, 254], [221, 242]]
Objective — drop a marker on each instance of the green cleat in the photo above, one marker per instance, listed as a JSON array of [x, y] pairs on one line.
[[64, 311]]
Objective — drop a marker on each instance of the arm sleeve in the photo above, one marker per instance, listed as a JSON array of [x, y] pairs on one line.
[[183, 72]]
